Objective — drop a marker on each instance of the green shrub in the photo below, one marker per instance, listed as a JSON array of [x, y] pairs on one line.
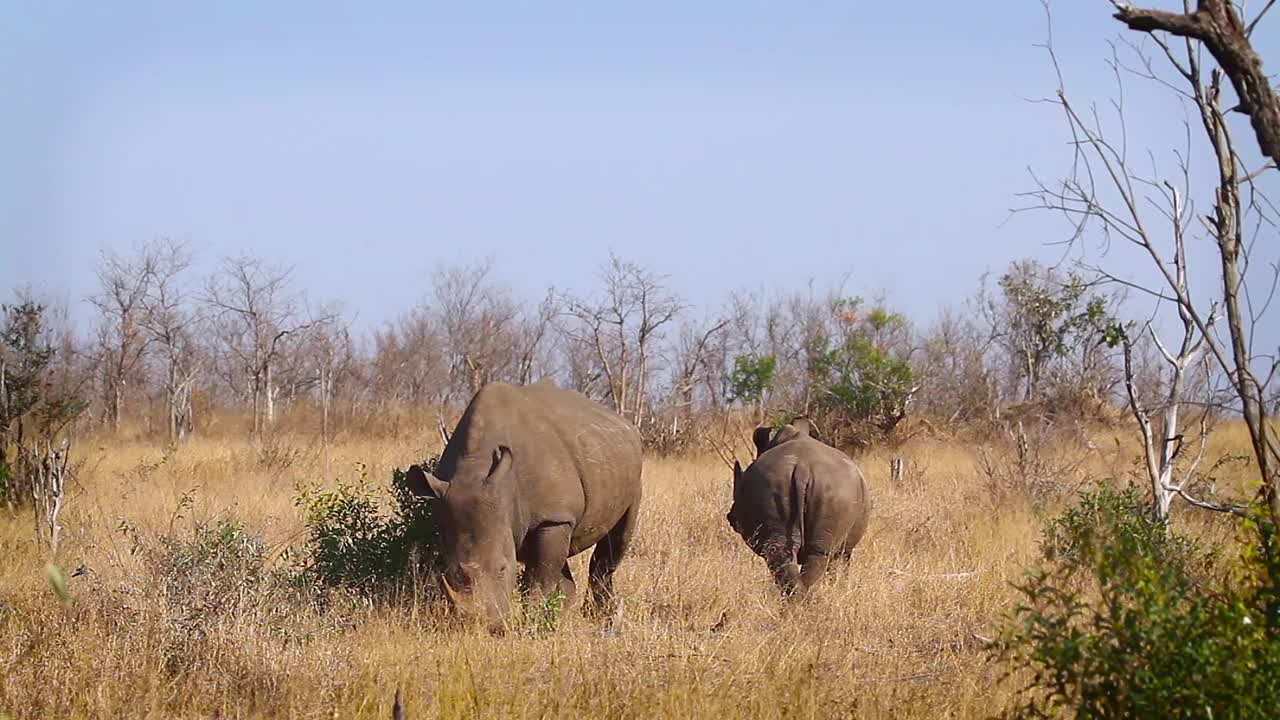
[[861, 386], [197, 574], [36, 403], [212, 570], [752, 376], [197, 578], [353, 543], [1126, 619]]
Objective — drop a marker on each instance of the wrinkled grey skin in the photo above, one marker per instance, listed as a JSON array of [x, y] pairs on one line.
[[533, 474], [798, 505]]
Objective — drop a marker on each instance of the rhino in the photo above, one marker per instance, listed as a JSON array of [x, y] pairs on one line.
[[800, 503], [532, 475]]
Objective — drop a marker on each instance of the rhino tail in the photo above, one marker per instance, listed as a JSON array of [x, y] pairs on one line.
[[801, 482]]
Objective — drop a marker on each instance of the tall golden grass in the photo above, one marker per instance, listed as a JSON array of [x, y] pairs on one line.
[[899, 632]]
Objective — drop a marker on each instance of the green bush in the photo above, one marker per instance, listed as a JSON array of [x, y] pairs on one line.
[[352, 543], [35, 403], [198, 573], [213, 570], [1124, 618], [752, 376], [198, 577]]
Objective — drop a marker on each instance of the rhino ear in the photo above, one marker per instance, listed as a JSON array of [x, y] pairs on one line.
[[424, 484], [501, 465], [737, 475], [805, 427], [761, 439]]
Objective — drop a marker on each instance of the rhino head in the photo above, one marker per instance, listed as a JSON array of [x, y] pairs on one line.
[[766, 437], [475, 511], [732, 516]]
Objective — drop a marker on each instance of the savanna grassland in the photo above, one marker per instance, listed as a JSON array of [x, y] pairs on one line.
[[898, 633]]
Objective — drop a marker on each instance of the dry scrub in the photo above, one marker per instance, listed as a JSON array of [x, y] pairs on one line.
[[898, 633]]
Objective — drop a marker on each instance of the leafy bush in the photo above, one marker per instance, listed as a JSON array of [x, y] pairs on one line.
[[194, 579], [210, 571], [861, 388], [352, 543], [210, 568], [863, 381], [751, 377], [35, 403], [1126, 619]]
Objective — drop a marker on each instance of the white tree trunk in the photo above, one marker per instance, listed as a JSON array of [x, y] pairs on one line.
[[271, 398]]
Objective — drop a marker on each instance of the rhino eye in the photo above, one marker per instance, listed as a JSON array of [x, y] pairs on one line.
[[463, 577]]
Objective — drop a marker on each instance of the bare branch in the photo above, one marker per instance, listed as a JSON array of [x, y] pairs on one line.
[[1248, 31], [1217, 24], [1235, 509]]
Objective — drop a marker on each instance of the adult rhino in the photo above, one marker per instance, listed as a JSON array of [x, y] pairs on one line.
[[800, 503], [532, 474]]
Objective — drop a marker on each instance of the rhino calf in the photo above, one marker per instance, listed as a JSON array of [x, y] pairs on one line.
[[800, 503], [534, 475]]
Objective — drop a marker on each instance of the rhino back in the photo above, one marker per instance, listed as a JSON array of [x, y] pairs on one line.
[[838, 502], [575, 460], [804, 493]]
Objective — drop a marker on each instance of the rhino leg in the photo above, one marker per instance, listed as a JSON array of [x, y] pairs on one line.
[[548, 566], [604, 561], [786, 572], [813, 566]]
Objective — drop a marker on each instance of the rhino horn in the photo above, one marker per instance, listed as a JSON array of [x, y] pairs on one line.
[[424, 484], [452, 595]]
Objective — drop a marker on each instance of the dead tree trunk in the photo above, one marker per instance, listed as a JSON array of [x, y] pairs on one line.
[[896, 472], [47, 469]]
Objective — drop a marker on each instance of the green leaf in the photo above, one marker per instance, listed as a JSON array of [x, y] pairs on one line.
[[58, 582]]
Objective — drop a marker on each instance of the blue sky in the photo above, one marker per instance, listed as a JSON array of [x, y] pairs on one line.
[[725, 144]]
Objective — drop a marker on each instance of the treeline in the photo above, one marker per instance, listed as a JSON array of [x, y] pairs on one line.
[[171, 352]]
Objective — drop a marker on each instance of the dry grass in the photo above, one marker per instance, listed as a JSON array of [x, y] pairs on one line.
[[896, 634]]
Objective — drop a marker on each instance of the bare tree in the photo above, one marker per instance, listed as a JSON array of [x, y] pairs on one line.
[[256, 316], [622, 327], [480, 321], [657, 307], [123, 284], [1163, 452], [960, 381], [576, 351], [46, 464], [1102, 170], [409, 363], [169, 319], [532, 338], [329, 355], [700, 355], [598, 348]]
